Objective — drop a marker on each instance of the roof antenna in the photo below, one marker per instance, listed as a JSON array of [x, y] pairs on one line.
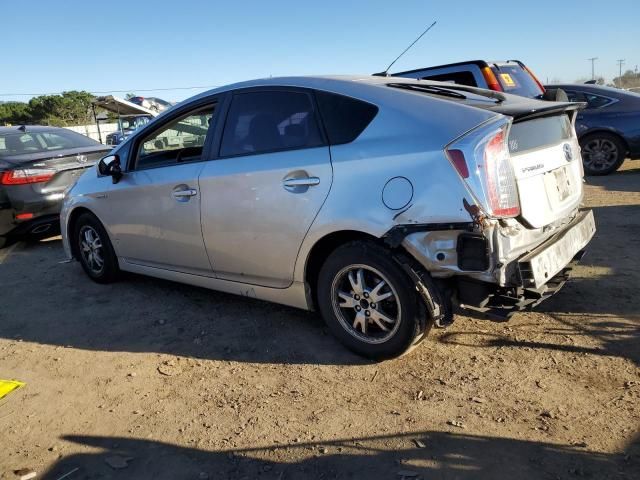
[[386, 72]]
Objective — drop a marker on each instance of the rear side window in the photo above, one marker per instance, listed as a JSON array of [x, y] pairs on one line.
[[345, 118], [268, 121], [593, 101], [596, 101], [461, 78], [514, 79]]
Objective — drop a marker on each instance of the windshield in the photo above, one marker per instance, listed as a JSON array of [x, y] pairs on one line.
[[23, 143], [514, 79]]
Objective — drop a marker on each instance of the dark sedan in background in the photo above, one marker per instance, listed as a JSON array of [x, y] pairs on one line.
[[37, 164], [609, 127]]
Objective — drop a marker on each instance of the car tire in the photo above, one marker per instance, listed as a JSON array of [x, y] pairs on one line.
[[94, 249], [353, 278], [602, 153]]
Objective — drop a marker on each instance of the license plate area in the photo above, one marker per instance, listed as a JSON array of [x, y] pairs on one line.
[[563, 183], [542, 264]]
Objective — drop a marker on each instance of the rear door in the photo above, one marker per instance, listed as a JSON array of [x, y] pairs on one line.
[[262, 192]]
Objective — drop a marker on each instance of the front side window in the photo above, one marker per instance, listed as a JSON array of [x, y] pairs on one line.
[[181, 140], [269, 121]]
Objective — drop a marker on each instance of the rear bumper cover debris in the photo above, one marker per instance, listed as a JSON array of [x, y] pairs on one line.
[[543, 263], [524, 266]]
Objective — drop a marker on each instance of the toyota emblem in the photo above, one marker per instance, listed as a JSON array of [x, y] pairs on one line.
[[81, 158], [568, 152]]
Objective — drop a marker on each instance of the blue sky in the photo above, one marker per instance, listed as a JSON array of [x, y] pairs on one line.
[[55, 45]]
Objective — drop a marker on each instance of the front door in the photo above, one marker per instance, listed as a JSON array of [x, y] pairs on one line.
[[261, 195], [154, 211]]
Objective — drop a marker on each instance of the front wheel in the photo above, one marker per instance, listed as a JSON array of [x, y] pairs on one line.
[[369, 302], [94, 249]]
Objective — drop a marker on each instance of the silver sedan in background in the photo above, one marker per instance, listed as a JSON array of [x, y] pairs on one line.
[[382, 202]]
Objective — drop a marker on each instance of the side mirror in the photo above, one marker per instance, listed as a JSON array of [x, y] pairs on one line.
[[110, 166]]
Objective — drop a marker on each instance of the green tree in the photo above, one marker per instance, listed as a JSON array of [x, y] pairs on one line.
[[14, 113], [69, 108]]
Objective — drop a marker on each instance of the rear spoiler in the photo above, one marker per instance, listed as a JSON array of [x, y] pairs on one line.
[[527, 111], [519, 108]]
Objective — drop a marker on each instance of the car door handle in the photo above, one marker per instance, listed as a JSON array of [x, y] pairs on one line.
[[301, 182], [189, 192]]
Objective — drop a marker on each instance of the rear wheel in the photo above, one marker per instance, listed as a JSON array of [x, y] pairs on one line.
[[602, 153], [95, 252], [369, 302]]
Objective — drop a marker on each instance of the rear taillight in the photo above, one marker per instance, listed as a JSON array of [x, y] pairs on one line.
[[501, 182], [491, 79], [25, 176], [483, 161]]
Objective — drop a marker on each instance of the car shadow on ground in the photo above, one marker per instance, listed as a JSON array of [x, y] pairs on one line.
[[419, 455], [52, 303]]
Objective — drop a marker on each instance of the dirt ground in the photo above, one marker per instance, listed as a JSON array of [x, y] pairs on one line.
[[147, 379]]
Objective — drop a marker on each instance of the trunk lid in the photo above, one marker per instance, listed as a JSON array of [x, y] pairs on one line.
[[547, 165], [545, 155], [68, 166]]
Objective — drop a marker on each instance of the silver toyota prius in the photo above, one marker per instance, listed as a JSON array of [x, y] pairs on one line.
[[384, 203]]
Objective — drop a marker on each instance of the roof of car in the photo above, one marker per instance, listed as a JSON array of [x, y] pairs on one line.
[[337, 83], [376, 89], [28, 128]]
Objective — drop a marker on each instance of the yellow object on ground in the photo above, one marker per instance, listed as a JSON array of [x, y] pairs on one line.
[[8, 386]]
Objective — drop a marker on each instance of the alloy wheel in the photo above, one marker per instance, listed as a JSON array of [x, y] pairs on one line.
[[366, 303], [599, 154], [91, 249]]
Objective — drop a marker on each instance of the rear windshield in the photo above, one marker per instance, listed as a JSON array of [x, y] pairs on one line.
[[19, 143], [514, 79], [538, 133]]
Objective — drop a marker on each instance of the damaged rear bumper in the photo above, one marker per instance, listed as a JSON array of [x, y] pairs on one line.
[[515, 268]]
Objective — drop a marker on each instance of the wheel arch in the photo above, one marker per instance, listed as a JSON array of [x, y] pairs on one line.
[[323, 247], [71, 224], [319, 253]]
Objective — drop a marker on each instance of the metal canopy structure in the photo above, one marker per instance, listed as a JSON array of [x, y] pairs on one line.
[[121, 106]]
